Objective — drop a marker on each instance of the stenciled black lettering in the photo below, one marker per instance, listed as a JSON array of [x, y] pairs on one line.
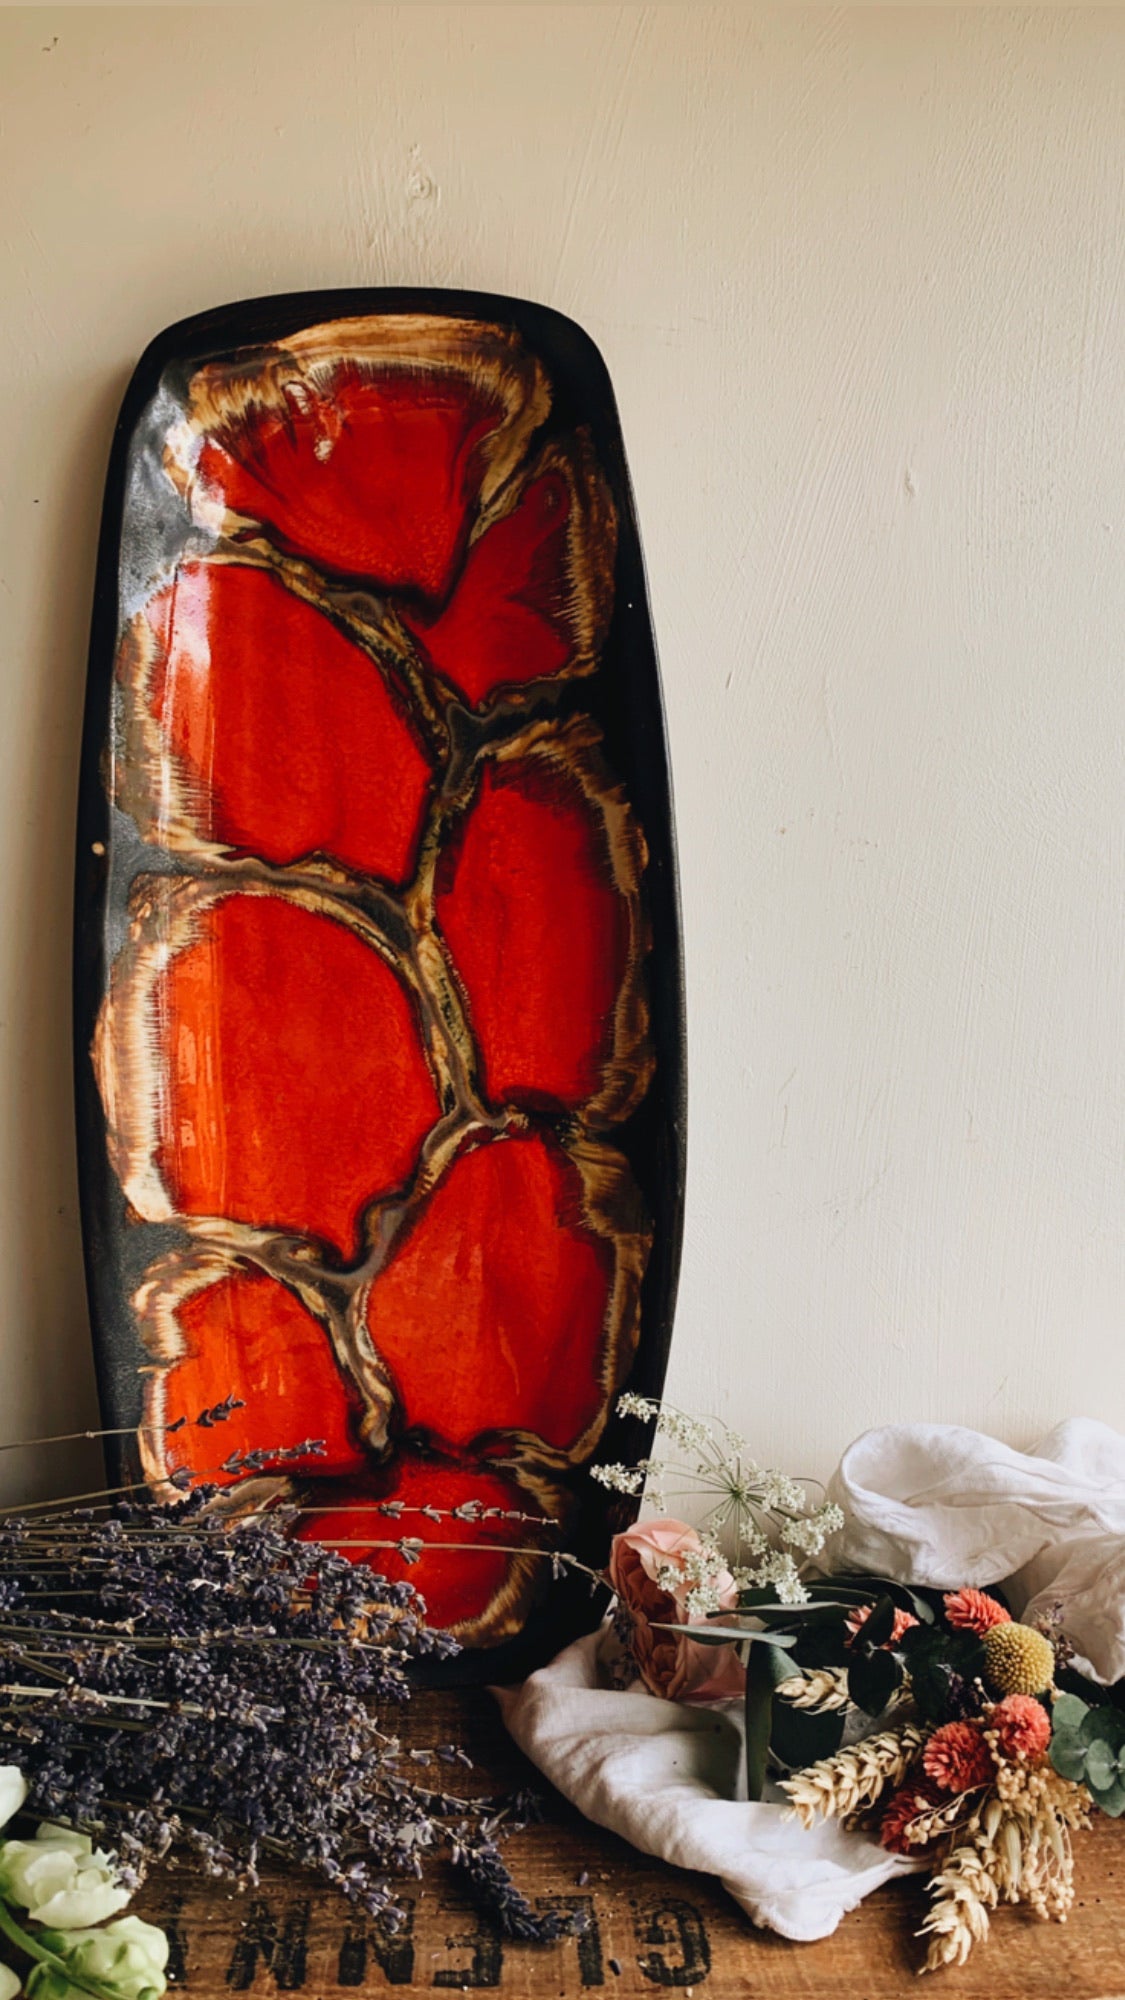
[[393, 1951], [672, 1922], [486, 1954], [282, 1948], [588, 1937], [168, 1918]]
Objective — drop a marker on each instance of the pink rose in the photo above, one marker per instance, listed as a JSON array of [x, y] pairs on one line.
[[671, 1665]]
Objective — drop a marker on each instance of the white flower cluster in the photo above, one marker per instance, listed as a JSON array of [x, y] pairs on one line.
[[686, 1432], [767, 1516], [809, 1532], [704, 1569], [619, 1478]]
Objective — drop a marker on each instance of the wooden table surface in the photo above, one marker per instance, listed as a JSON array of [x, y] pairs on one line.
[[650, 1928]]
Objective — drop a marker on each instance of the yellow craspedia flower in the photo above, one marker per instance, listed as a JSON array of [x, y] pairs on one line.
[[1018, 1660]]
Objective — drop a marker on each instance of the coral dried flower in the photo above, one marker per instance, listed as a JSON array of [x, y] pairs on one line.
[[974, 1611], [957, 1758], [918, 1795], [856, 1619], [1022, 1725]]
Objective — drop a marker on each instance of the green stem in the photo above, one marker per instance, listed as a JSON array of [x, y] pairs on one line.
[[31, 1946], [73, 1437], [101, 1494]]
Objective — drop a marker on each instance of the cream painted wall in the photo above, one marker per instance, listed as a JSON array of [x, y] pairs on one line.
[[860, 280]]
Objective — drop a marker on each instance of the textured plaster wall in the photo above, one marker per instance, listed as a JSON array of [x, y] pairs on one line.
[[858, 276]]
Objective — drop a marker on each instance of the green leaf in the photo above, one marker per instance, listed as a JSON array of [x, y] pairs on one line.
[[776, 1614], [878, 1628], [825, 1611], [799, 1738], [720, 1635], [842, 1587], [869, 1587], [1101, 1767], [1068, 1755], [1068, 1712], [873, 1680], [763, 1674], [1112, 1799], [1104, 1725], [933, 1682]]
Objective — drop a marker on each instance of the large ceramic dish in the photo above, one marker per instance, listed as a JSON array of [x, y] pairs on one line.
[[379, 1023]]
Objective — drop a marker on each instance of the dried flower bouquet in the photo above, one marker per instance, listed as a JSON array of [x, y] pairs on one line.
[[984, 1750]]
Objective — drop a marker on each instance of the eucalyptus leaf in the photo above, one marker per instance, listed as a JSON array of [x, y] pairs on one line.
[[1112, 1799], [877, 1629], [1068, 1755], [841, 1593], [867, 1587], [933, 1681], [1068, 1711], [762, 1676], [1104, 1725], [720, 1635], [801, 1738], [1101, 1767], [822, 1612], [873, 1681]]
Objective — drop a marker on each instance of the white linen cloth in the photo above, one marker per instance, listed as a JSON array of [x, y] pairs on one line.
[[924, 1503], [934, 1504], [665, 1776]]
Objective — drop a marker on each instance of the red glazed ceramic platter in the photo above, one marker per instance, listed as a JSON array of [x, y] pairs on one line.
[[378, 963]]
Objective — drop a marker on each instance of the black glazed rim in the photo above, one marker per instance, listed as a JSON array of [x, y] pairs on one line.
[[626, 701]]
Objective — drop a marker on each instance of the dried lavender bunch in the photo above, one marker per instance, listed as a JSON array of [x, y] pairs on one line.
[[171, 1678]]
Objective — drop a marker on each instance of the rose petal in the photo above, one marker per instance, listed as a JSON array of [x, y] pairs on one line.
[[13, 1791], [70, 1907]]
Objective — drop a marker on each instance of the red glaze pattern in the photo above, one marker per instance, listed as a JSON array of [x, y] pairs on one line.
[[490, 1314], [248, 1328], [506, 621], [281, 736], [458, 1592], [369, 1040], [526, 899], [280, 1106]]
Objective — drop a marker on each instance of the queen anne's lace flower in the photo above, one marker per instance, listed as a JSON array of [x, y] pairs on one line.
[[764, 1514]]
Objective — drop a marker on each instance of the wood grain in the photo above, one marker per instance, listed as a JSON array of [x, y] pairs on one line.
[[650, 1928]]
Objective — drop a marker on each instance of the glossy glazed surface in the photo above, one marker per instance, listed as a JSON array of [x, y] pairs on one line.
[[374, 1041]]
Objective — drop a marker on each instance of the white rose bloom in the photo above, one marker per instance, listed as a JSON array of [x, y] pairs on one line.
[[13, 1792], [60, 1878], [9, 1981], [128, 1955]]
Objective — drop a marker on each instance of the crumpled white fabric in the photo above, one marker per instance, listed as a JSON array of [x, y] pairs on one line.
[[665, 1776], [925, 1503], [938, 1505]]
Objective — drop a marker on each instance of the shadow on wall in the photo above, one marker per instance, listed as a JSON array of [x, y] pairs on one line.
[[49, 1374]]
